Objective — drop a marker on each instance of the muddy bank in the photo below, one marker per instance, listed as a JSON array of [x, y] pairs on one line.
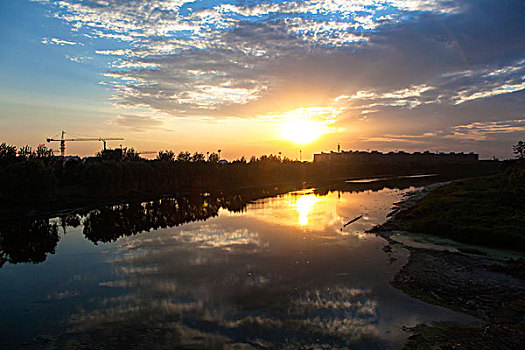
[[470, 284], [477, 285]]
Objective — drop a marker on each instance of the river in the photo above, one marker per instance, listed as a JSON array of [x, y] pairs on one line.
[[213, 272]]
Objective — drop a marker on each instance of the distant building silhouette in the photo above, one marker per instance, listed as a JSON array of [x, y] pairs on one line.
[[395, 157]]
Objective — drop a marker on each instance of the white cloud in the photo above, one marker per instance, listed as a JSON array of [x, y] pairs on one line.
[[59, 42], [409, 97], [485, 130], [78, 59], [208, 97], [464, 96], [489, 82], [161, 44]]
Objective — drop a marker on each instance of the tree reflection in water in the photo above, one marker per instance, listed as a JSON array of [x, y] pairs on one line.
[[281, 275], [109, 223], [31, 241], [28, 241]]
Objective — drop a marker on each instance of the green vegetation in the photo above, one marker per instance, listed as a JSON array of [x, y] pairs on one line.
[[486, 211]]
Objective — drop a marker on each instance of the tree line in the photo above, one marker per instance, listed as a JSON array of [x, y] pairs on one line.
[[34, 178]]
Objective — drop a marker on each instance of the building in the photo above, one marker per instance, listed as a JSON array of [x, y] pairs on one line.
[[395, 157]]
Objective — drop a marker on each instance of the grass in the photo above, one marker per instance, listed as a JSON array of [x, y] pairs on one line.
[[487, 211]]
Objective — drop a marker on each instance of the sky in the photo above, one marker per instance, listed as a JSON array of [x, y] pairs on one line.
[[258, 77]]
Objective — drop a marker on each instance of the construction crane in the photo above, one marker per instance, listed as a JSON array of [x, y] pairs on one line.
[[63, 140]]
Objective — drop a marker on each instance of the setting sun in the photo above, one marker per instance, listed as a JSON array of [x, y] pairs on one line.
[[302, 131]]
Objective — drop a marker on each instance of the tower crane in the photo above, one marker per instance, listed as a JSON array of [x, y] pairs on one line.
[[63, 140]]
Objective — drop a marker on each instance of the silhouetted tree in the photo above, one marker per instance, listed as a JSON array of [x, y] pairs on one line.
[[519, 150], [43, 152], [130, 154], [111, 154], [166, 155], [7, 153], [198, 157], [33, 177], [25, 152], [119, 154], [184, 157], [213, 158]]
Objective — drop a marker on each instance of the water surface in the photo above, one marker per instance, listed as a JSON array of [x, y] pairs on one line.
[[211, 272]]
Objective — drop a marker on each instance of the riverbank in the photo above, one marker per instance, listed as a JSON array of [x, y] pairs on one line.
[[33, 184], [81, 201], [86, 203], [489, 288], [477, 286], [484, 211]]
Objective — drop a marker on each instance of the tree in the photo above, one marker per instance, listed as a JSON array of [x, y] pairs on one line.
[[519, 150], [166, 155], [7, 152], [116, 154], [198, 157], [213, 157], [43, 152], [184, 157], [130, 154], [25, 152], [240, 160]]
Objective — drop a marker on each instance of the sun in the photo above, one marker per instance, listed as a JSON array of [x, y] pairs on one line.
[[301, 131]]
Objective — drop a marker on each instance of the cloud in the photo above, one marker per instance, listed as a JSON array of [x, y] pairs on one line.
[[449, 88], [78, 59], [59, 42], [485, 130], [165, 42], [137, 122], [487, 82], [399, 139], [409, 97], [390, 63], [464, 96]]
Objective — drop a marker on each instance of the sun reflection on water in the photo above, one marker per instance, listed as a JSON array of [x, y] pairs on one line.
[[304, 205]]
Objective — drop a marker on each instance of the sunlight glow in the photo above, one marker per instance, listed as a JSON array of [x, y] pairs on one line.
[[304, 125], [304, 205], [302, 131]]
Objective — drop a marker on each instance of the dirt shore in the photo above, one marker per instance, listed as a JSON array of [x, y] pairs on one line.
[[476, 285]]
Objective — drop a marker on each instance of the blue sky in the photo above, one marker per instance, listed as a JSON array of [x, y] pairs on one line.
[[199, 75]]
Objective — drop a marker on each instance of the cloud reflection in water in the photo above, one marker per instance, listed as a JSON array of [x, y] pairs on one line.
[[253, 278], [280, 274]]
